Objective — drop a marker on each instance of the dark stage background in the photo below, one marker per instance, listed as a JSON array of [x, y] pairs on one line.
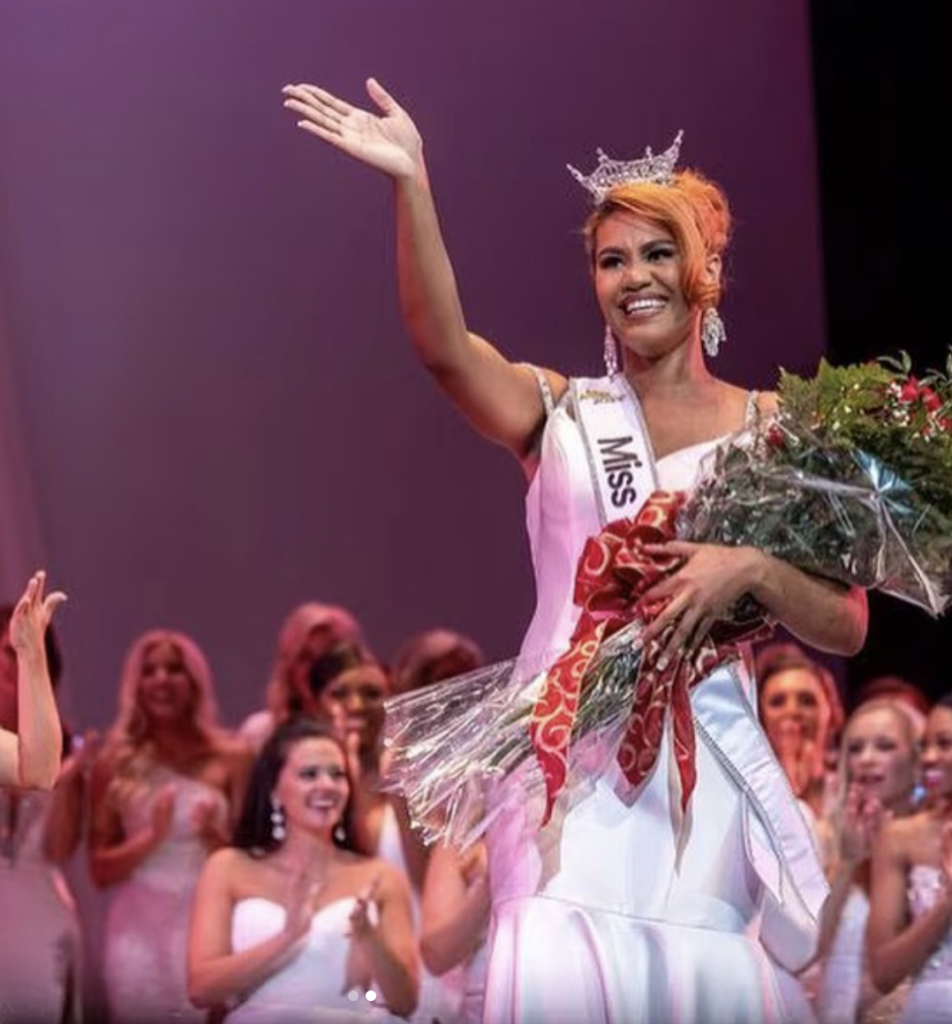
[[883, 96]]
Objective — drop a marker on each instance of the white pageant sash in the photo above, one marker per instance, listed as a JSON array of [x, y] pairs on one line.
[[780, 844], [616, 445]]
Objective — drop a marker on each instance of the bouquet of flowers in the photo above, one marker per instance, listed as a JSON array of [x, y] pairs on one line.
[[852, 481]]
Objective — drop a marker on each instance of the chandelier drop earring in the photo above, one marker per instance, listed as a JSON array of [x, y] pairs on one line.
[[279, 829], [611, 353], [712, 331]]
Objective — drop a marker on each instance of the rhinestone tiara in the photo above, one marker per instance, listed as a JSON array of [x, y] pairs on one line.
[[608, 173]]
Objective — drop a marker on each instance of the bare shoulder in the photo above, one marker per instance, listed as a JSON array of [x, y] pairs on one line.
[[233, 753], [388, 878], [227, 862], [903, 837]]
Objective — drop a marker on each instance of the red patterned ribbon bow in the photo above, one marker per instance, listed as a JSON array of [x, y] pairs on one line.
[[614, 572]]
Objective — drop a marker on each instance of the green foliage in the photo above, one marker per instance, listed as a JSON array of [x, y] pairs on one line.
[[853, 480], [882, 409]]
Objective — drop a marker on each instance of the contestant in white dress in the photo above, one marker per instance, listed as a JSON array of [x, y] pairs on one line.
[[877, 768], [455, 923], [40, 948], [289, 925], [617, 910], [162, 791], [909, 933]]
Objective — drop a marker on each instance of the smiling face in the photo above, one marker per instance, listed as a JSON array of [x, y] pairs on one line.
[[936, 757], [353, 701], [312, 787], [638, 275], [792, 700], [880, 755], [166, 692]]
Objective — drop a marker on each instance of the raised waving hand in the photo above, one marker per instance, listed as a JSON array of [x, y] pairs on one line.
[[388, 141], [30, 757]]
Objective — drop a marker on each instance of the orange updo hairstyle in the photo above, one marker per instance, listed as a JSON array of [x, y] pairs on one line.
[[696, 213]]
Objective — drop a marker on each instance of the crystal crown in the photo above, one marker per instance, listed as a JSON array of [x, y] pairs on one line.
[[609, 173]]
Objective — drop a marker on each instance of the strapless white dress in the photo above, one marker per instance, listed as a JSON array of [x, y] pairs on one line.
[[147, 922], [847, 994], [40, 947], [602, 917], [313, 987], [930, 995]]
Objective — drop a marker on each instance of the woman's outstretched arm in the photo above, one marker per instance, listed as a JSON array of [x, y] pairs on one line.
[[499, 398], [31, 757]]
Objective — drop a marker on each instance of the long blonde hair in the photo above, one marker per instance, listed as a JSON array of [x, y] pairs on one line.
[[128, 743]]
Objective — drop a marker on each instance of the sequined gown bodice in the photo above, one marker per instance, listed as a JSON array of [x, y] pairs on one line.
[[40, 952], [930, 994], [148, 917], [847, 994]]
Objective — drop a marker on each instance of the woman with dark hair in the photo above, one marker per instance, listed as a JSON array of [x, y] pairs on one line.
[[41, 957], [165, 789], [347, 687], [909, 933], [289, 924], [307, 633], [433, 655]]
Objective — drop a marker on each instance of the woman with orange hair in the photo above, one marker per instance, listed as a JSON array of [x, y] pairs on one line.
[[165, 792], [609, 903]]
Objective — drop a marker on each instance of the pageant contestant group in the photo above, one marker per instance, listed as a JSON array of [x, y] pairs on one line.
[[736, 850]]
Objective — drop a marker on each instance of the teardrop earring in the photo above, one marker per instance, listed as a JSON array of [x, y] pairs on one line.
[[279, 829], [713, 333], [611, 353]]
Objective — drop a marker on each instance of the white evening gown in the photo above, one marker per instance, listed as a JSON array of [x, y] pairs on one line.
[[40, 952], [147, 924], [441, 997], [312, 988], [930, 994], [596, 918], [847, 994]]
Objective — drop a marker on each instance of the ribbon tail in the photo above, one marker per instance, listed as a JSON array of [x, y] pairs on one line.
[[683, 737], [642, 740], [554, 714]]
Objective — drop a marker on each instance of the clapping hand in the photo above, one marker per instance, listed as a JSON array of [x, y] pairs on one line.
[[361, 924], [863, 817], [163, 807], [303, 893], [82, 756], [388, 141], [208, 820]]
